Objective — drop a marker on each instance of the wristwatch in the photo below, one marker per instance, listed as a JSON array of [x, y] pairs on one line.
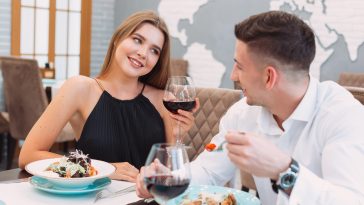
[[287, 179]]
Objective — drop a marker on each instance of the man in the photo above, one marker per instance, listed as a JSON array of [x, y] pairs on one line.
[[302, 140]]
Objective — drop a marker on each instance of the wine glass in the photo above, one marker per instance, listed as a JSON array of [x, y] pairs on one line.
[[167, 171], [179, 94]]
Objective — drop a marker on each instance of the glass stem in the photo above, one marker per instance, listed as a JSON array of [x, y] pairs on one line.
[[179, 137]]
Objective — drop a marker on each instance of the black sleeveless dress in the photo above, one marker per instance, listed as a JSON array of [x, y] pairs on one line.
[[121, 130]]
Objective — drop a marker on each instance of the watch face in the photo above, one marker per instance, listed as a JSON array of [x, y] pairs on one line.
[[288, 180]]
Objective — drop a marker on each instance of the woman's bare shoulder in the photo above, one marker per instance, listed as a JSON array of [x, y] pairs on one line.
[[79, 84], [77, 88]]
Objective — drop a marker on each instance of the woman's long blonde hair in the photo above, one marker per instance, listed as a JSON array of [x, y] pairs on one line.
[[159, 75]]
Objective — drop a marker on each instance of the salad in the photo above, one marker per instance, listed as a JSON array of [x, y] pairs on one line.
[[211, 199], [76, 165]]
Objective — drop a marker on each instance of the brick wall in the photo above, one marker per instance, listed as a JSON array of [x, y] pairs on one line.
[[5, 27], [102, 30]]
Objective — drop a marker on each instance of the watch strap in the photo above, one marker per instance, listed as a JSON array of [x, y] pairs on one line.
[[274, 185], [294, 167]]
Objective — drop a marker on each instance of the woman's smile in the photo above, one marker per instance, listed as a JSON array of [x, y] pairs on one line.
[[135, 63]]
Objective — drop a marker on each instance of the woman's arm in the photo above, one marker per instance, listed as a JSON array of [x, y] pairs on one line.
[[125, 171], [45, 131]]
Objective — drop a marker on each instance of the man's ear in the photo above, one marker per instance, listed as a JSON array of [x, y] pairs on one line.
[[271, 77]]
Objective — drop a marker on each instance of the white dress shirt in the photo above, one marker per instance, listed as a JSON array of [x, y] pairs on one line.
[[325, 134]]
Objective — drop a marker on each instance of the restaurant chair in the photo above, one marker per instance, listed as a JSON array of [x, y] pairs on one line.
[[179, 67], [354, 83], [237, 85], [4, 132], [214, 102], [351, 79], [25, 101]]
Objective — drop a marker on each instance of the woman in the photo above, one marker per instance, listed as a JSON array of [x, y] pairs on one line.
[[118, 115]]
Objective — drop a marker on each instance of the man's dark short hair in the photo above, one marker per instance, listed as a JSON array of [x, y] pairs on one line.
[[280, 36]]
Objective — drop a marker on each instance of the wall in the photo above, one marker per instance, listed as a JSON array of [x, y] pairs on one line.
[[202, 32], [102, 30], [209, 31], [5, 28]]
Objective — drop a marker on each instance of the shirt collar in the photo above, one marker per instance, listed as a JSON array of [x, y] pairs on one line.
[[267, 124], [307, 106]]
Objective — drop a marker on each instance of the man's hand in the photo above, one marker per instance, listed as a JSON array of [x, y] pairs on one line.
[[125, 171], [148, 171], [141, 191], [256, 155]]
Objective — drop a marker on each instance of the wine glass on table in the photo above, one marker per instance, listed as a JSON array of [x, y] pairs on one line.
[[179, 94], [167, 171]]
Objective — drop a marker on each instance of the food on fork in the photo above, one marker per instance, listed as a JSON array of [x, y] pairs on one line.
[[210, 147], [211, 199], [76, 165]]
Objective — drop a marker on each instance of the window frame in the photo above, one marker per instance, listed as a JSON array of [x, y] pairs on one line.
[[85, 40]]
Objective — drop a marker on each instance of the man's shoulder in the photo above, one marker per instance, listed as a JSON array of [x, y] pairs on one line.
[[338, 106], [332, 96]]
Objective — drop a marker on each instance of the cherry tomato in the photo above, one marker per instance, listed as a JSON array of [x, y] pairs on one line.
[[210, 147]]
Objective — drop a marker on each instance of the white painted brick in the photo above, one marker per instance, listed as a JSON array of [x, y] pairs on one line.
[[5, 14], [102, 30]]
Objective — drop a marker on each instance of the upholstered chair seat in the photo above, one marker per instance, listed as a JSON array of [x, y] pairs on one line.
[[214, 103], [179, 67], [351, 79]]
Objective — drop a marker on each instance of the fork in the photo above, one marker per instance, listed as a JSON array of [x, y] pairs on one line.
[[220, 147], [109, 194]]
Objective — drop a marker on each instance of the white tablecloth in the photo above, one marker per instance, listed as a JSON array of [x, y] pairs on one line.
[[25, 193]]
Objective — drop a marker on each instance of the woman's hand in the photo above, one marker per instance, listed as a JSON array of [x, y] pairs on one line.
[[125, 171], [185, 118]]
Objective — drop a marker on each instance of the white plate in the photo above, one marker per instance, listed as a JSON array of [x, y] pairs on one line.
[[38, 168], [45, 185]]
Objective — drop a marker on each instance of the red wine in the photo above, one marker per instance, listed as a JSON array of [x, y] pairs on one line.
[[173, 106], [166, 187]]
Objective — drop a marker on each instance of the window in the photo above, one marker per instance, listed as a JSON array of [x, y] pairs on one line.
[[50, 31]]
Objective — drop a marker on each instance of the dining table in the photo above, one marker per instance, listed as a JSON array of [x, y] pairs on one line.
[[15, 189]]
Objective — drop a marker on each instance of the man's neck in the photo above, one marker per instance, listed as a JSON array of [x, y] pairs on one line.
[[287, 100]]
